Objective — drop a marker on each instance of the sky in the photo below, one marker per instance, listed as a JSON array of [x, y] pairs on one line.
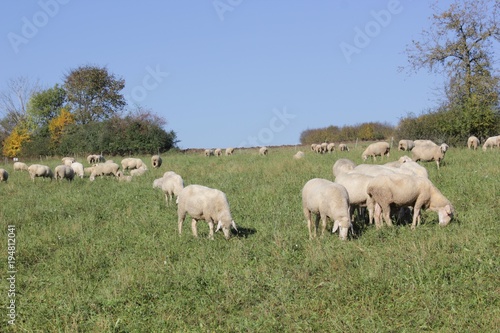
[[234, 73]]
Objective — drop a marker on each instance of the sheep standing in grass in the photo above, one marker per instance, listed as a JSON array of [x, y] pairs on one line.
[[492, 142], [342, 165], [172, 184], [263, 151], [343, 147], [356, 184], [218, 152], [64, 172], [156, 161], [78, 169], [229, 151], [376, 149], [406, 145], [4, 175], [204, 203], [399, 162], [104, 169], [92, 159], [131, 163], [428, 153], [330, 147], [68, 160], [313, 146], [38, 170], [472, 142], [326, 199], [404, 190], [20, 166]]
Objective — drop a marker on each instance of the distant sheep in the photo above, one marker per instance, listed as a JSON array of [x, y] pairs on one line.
[[4, 175], [472, 142], [209, 152], [20, 166], [406, 145], [78, 169], [263, 151], [123, 178], [93, 159], [218, 152], [131, 163], [204, 203], [313, 146], [172, 184], [298, 155], [427, 153], [156, 161], [229, 151], [356, 184], [326, 199], [104, 169], [64, 172], [330, 147], [38, 170], [492, 142], [376, 149], [342, 165], [138, 172], [343, 147], [68, 160]]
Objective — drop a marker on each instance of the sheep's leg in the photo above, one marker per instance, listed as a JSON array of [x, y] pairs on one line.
[[307, 214], [193, 228], [416, 216], [211, 228], [323, 224], [351, 212], [180, 220], [316, 224], [378, 216]]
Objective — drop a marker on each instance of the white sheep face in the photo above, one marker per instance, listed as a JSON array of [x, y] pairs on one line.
[[445, 215], [342, 230]]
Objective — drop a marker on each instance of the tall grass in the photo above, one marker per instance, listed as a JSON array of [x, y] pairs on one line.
[[105, 256]]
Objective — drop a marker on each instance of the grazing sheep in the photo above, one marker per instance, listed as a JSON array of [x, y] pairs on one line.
[[415, 168], [78, 169], [319, 148], [171, 185], [68, 160], [343, 147], [493, 141], [123, 178], [88, 170], [139, 171], [20, 166], [324, 147], [131, 163], [376, 149], [4, 175], [38, 170], [298, 155], [424, 143], [218, 152], [406, 145], [399, 162], [156, 161], [342, 165], [104, 169], [472, 142], [403, 190], [313, 146], [427, 153], [263, 151], [229, 151], [204, 203], [64, 172], [92, 159], [326, 199], [331, 147], [209, 152], [356, 183]]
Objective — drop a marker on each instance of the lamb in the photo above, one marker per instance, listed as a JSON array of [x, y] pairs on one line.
[[138, 172], [403, 190], [427, 153], [376, 149], [171, 185], [229, 151], [64, 172], [356, 184], [263, 151], [326, 199], [472, 142], [133, 163], [156, 161], [4, 175], [38, 170], [343, 147], [406, 145], [68, 160], [78, 169], [104, 169], [204, 203], [342, 165], [20, 166], [123, 178], [298, 155], [218, 152], [493, 141], [209, 152]]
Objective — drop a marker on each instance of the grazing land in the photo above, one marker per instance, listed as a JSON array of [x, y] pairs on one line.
[[105, 256]]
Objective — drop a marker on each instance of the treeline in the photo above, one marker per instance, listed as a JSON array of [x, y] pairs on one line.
[[365, 131]]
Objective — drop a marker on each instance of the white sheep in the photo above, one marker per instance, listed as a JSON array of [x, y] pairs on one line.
[[406, 145], [104, 169], [356, 184], [376, 149], [4, 175], [343, 147], [428, 153], [64, 172], [396, 164], [123, 178], [38, 170], [409, 168], [209, 152], [78, 169], [68, 160], [298, 155], [204, 203], [156, 161], [131, 163], [493, 141], [326, 199], [318, 148], [263, 151], [139, 171], [403, 190], [172, 185], [20, 166], [218, 152], [229, 151], [342, 165], [472, 142], [330, 147], [92, 159], [313, 146], [423, 143]]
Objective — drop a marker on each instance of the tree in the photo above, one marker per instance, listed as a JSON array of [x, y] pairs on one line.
[[58, 124], [13, 144], [93, 93], [45, 105]]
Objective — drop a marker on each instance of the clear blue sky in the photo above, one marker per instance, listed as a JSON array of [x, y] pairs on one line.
[[232, 72]]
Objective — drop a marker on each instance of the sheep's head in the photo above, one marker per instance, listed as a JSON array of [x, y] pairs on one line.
[[343, 225], [445, 215], [226, 230]]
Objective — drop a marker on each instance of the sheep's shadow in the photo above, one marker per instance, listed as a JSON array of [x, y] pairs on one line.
[[243, 232]]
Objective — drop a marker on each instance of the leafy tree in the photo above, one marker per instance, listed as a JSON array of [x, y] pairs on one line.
[[94, 93], [58, 124], [13, 144], [44, 105]]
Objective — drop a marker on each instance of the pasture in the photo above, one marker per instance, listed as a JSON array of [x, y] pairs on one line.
[[105, 256]]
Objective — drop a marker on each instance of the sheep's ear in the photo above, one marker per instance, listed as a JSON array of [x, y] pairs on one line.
[[233, 225], [448, 209], [219, 226], [335, 226]]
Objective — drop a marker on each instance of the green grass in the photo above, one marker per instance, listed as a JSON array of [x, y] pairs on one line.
[[105, 256]]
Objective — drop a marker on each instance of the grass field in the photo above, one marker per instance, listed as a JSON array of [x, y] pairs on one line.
[[105, 256]]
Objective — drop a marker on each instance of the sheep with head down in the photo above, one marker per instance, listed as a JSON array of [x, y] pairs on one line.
[[78, 169], [406, 145], [491, 142], [64, 172], [263, 151], [39, 170], [4, 175], [472, 142], [132, 163], [104, 169], [376, 149], [171, 185], [20, 166], [342, 165], [229, 151]]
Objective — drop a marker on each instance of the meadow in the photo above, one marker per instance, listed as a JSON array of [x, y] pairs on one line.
[[106, 256]]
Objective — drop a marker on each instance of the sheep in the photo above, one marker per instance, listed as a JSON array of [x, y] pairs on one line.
[[92, 159], [209, 152], [313, 146], [263, 151], [444, 147], [330, 147], [427, 153], [326, 199], [133, 163], [318, 148], [156, 161], [104, 169], [64, 172], [204, 203], [472, 142], [68, 160], [4, 175], [298, 155], [123, 178], [171, 185], [403, 190], [342, 165], [376, 149], [20, 166], [493, 141], [406, 145], [415, 168], [78, 169], [138, 172], [218, 152], [229, 151], [343, 147], [38, 170], [324, 147], [423, 143], [396, 164], [88, 170], [356, 183]]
